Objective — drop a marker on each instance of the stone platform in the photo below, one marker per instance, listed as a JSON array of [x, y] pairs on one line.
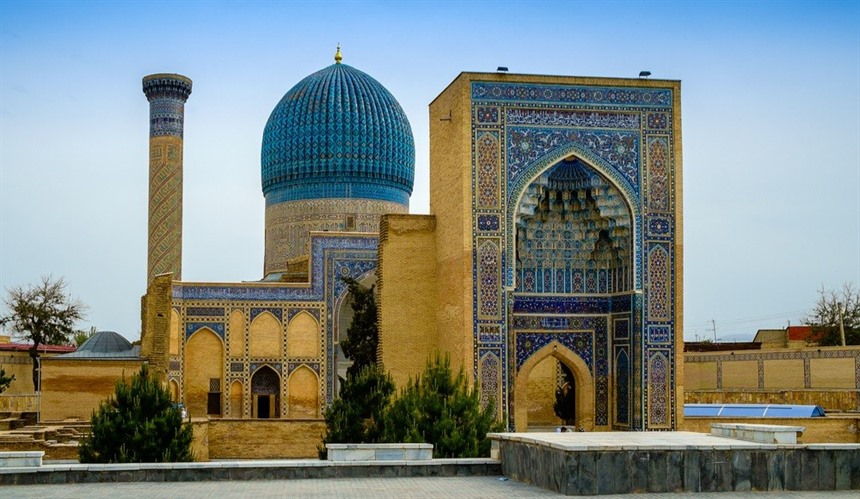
[[634, 462], [244, 470]]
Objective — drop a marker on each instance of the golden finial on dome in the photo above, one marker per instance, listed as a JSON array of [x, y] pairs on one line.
[[337, 56]]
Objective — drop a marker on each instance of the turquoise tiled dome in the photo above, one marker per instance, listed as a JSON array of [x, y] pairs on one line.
[[338, 134]]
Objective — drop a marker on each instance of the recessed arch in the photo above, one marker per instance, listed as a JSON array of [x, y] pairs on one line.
[[236, 331], [266, 393], [265, 336], [341, 320], [581, 373], [204, 372], [236, 406], [173, 329], [173, 385], [303, 336], [534, 170], [303, 394]]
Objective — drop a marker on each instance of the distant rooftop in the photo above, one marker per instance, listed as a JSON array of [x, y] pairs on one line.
[[753, 410], [708, 346], [24, 347]]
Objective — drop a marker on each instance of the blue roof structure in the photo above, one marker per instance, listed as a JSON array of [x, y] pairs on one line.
[[338, 134], [753, 410]]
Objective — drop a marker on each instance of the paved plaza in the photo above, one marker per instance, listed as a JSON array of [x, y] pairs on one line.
[[375, 488]]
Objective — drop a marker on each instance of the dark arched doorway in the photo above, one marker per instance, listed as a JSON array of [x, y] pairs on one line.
[[266, 393]]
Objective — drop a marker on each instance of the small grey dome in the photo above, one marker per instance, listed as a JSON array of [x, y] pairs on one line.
[[105, 344]]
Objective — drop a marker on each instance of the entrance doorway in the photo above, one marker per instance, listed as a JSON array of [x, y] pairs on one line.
[[264, 406], [265, 392]]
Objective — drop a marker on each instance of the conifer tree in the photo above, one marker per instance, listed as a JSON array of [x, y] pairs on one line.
[[357, 415], [441, 409], [363, 334], [139, 424]]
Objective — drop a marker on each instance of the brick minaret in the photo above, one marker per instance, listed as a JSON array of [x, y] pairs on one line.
[[167, 94]]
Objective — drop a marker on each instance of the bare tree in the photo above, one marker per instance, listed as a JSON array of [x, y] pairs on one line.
[[42, 314], [836, 313]]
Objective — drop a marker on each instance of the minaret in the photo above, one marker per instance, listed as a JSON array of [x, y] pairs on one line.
[[167, 94]]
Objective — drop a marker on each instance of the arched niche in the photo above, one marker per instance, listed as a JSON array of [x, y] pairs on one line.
[[303, 336], [526, 187], [236, 393], [583, 379], [204, 372], [265, 336], [173, 329], [574, 233], [343, 318], [236, 330], [265, 393], [303, 390], [173, 386]]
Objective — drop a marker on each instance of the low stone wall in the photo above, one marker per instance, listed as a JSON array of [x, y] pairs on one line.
[[831, 429], [244, 470], [613, 468], [18, 403], [380, 452], [260, 439]]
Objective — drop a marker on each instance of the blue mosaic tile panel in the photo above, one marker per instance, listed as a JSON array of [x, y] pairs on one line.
[[277, 312], [572, 118], [487, 115], [621, 303], [192, 327], [580, 343], [619, 149], [659, 334], [659, 227], [490, 333], [488, 222], [622, 387], [315, 312], [562, 304], [204, 311], [621, 329], [270, 292], [658, 121], [571, 94]]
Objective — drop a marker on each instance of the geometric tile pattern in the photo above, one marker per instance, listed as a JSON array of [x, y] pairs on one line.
[[372, 157], [166, 95], [332, 257], [579, 244]]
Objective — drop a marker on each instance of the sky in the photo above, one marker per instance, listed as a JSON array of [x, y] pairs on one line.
[[770, 109]]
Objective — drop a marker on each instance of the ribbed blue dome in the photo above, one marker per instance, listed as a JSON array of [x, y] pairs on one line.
[[338, 134]]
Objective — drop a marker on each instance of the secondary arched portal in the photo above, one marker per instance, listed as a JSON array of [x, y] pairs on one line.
[[265, 392], [574, 278]]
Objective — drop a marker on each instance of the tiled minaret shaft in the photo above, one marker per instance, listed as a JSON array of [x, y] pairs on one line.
[[167, 94]]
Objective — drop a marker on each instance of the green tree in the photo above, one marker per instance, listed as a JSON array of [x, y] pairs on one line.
[[363, 334], [5, 381], [440, 408], [825, 316], [42, 314], [565, 397], [139, 424], [81, 336], [357, 415]]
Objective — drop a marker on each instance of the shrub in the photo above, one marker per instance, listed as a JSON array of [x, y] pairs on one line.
[[139, 424], [441, 409], [357, 416]]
